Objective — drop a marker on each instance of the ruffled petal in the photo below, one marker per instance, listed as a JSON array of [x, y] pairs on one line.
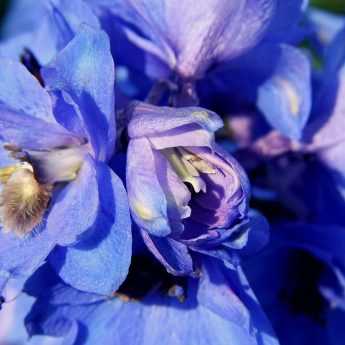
[[85, 70], [173, 255], [65, 19], [59, 21], [75, 208], [99, 262], [277, 78], [21, 257], [20, 91], [190, 50], [285, 97], [28, 132], [146, 197], [150, 120]]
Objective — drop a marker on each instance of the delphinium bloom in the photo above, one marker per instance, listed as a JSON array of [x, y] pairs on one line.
[[185, 193], [240, 48], [316, 157], [213, 308], [58, 194], [189, 39], [305, 185], [188, 196]]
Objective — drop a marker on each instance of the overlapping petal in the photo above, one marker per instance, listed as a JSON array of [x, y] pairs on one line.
[[59, 21], [226, 29], [85, 70], [192, 321], [99, 263], [275, 78], [20, 91]]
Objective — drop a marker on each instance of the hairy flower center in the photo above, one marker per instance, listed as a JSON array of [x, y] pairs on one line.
[[27, 186], [188, 167]]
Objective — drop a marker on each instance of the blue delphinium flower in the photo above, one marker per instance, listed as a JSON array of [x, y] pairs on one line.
[[305, 175], [151, 306], [58, 192], [275, 79], [309, 217], [243, 48], [184, 191], [189, 39], [274, 76], [62, 204]]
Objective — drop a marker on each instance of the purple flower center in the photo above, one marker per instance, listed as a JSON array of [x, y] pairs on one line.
[[214, 188]]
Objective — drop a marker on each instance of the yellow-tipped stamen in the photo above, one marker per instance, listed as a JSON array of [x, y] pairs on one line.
[[188, 167], [186, 172]]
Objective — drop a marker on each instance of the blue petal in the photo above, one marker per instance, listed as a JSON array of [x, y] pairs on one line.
[[259, 233], [277, 79], [85, 70], [150, 120], [22, 17], [192, 323], [239, 304], [67, 113], [59, 20], [20, 31], [21, 257], [171, 253], [31, 133], [75, 208], [324, 25], [335, 53], [222, 300], [69, 216], [284, 270], [325, 131], [146, 197], [21, 92], [99, 263], [66, 17], [285, 98], [12, 316], [190, 50], [285, 20], [336, 320], [45, 282]]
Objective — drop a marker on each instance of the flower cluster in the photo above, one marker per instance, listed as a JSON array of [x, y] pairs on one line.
[[172, 172]]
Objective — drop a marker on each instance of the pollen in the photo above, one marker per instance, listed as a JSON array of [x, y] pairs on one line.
[[23, 200]]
